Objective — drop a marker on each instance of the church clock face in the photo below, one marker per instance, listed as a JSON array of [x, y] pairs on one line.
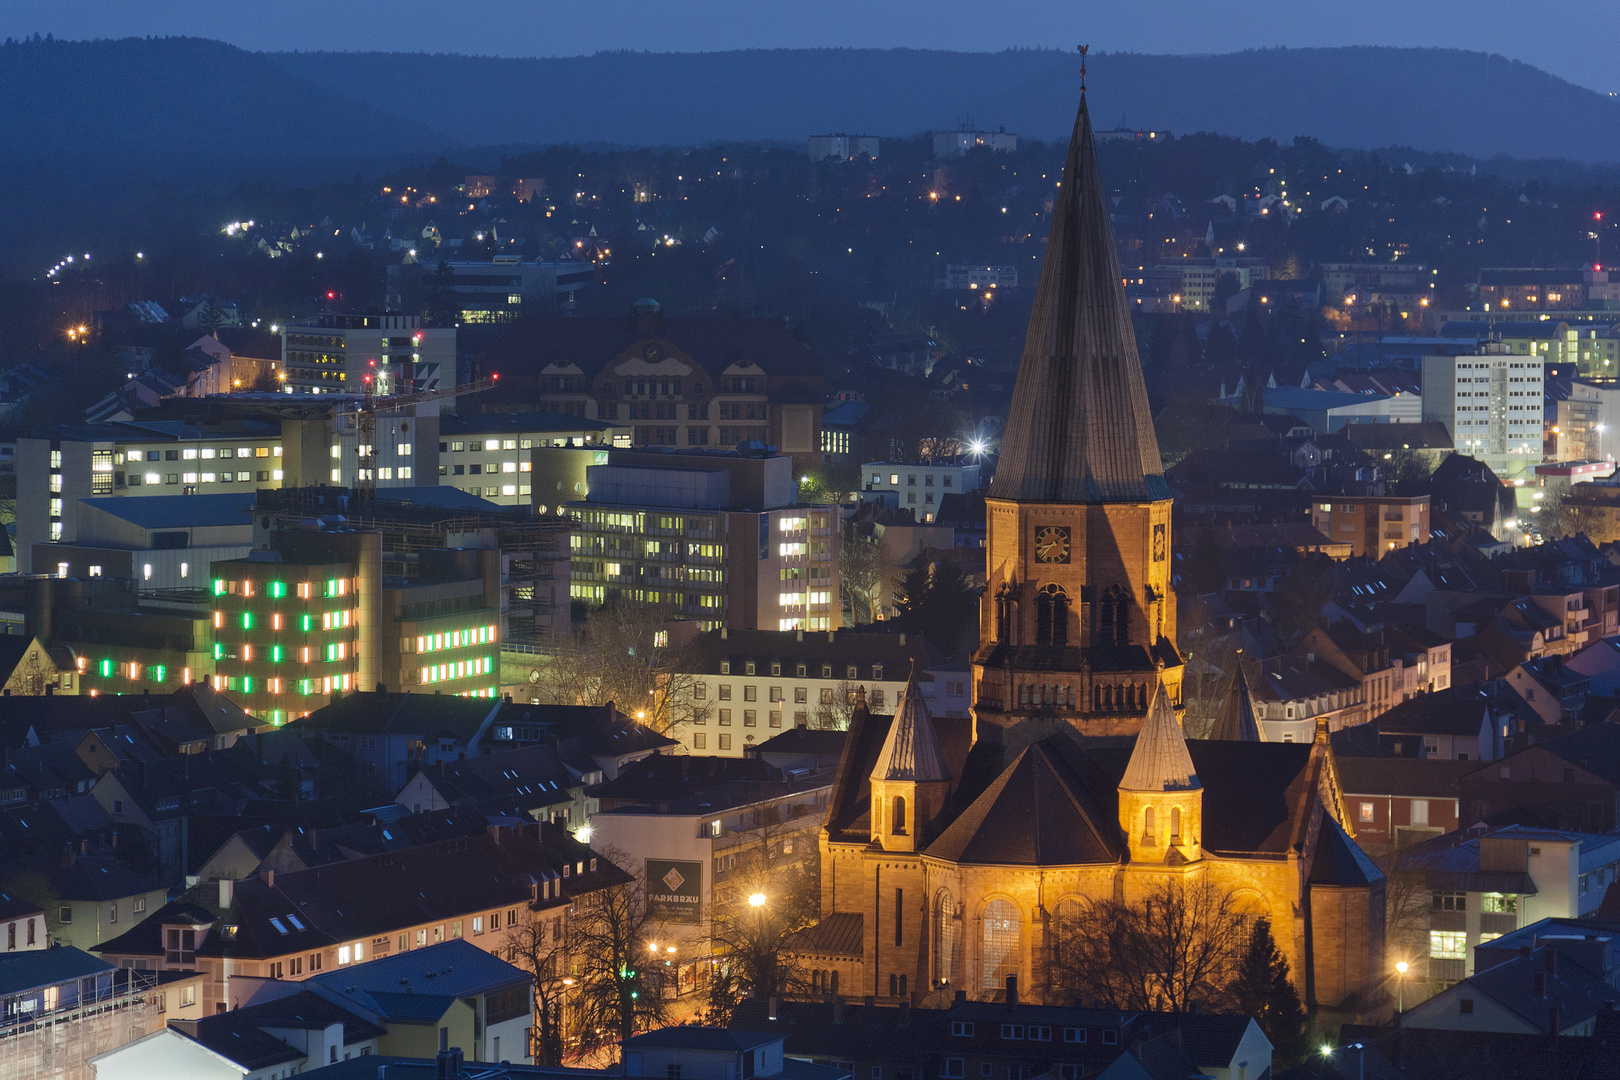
[[1052, 544]]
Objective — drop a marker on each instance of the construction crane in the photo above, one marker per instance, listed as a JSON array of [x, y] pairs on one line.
[[372, 403]]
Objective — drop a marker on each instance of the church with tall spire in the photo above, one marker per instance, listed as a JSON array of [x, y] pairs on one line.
[[1079, 622], [955, 849]]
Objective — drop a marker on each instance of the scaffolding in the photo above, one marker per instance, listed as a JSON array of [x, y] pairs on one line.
[[58, 1043]]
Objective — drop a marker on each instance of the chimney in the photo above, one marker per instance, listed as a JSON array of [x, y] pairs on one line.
[[268, 877], [495, 833], [838, 1010], [868, 1001], [772, 1004], [227, 893], [724, 634], [902, 640], [959, 998], [801, 634], [1012, 989]]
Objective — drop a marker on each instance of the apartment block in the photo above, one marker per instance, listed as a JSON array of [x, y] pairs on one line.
[[1492, 403], [916, 486], [504, 288], [1372, 524], [493, 455]]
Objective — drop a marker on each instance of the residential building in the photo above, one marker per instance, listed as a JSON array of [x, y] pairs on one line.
[[1587, 350], [1458, 725], [1189, 284], [530, 782], [89, 899], [716, 537], [64, 1007], [155, 544], [949, 144], [1535, 288], [1561, 986], [1373, 524], [1329, 411], [340, 353], [504, 288], [29, 667], [686, 1050], [1570, 781], [24, 924], [1296, 694], [746, 686], [1398, 802], [1492, 405], [689, 382], [1487, 884], [708, 832], [997, 1039], [841, 147], [355, 914], [916, 486]]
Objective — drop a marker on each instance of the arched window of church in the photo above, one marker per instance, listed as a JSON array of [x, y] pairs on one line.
[[1175, 824], [1060, 617], [1105, 619], [1067, 929], [833, 983], [1147, 826], [999, 945], [1043, 618], [1122, 621], [944, 938], [899, 825]]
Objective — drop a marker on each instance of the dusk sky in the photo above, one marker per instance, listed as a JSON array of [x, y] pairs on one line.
[[1570, 38]]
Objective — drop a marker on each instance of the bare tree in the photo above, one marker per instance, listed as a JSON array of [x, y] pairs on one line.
[[1180, 946], [1211, 666], [833, 711], [757, 912], [618, 990], [629, 654], [1408, 902], [1568, 514], [539, 947], [863, 562]]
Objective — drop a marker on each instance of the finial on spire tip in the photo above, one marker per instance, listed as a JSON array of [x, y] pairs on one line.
[[1083, 50]]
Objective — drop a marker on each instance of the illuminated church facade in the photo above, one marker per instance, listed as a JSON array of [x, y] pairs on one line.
[[953, 848]]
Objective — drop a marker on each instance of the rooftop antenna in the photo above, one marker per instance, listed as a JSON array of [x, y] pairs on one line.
[[1083, 50]]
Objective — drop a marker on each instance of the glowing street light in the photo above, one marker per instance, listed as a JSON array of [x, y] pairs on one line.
[[1400, 991], [757, 900]]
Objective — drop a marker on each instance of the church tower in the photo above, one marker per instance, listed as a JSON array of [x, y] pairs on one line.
[[1078, 621], [1161, 802], [909, 780]]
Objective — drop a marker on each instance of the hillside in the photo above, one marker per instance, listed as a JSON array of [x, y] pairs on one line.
[[1429, 99], [179, 101]]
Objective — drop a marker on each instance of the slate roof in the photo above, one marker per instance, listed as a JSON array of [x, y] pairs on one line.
[[1595, 748], [34, 968], [804, 740], [235, 1037], [1421, 778], [1079, 429], [1255, 794], [911, 751], [495, 423], [1235, 722], [1036, 813], [521, 780], [837, 934], [451, 969], [436, 715], [1577, 993], [691, 1037], [1339, 861], [1159, 759]]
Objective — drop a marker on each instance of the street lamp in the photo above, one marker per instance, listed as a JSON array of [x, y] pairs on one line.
[[757, 900], [1400, 985]]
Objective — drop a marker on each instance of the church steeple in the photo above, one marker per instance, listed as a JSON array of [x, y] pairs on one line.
[[1161, 802], [1080, 430], [1236, 722], [909, 779]]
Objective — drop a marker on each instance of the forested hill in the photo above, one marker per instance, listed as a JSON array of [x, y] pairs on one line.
[[174, 100], [1430, 99]]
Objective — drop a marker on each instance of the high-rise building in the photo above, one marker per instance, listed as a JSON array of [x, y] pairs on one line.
[[716, 537], [1492, 403]]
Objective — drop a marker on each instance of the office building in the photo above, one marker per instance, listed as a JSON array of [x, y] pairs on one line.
[[335, 353], [698, 382], [1406, 286], [717, 537], [1589, 350], [1492, 403], [504, 288], [157, 544], [493, 455], [1189, 284]]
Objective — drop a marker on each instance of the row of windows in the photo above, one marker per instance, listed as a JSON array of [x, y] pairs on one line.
[[244, 476], [206, 453], [945, 480], [801, 695], [801, 669]]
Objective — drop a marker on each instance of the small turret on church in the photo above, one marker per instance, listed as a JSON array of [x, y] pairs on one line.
[[910, 782], [1161, 802]]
